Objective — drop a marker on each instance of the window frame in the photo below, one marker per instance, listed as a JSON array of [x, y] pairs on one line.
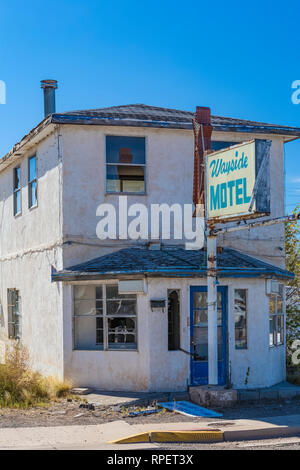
[[17, 191], [143, 165], [105, 316], [31, 182], [276, 318], [247, 303], [14, 327]]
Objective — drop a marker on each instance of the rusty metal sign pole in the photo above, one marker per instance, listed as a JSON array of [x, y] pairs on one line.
[[212, 308], [203, 132]]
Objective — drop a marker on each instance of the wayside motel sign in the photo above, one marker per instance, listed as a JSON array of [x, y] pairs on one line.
[[238, 181]]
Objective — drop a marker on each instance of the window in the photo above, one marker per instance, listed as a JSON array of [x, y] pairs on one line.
[[104, 319], [240, 318], [276, 318], [125, 164], [219, 145], [173, 320], [14, 314], [32, 182], [17, 190]]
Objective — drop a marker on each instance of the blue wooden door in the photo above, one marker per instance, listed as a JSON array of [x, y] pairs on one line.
[[199, 335]]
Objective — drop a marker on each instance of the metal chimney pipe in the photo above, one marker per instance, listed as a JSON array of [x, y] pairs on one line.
[[49, 87]]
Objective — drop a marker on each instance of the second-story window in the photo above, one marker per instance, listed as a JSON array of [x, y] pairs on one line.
[[17, 190], [32, 182], [125, 164]]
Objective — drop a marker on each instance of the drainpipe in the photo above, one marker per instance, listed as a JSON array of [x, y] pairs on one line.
[[49, 87]]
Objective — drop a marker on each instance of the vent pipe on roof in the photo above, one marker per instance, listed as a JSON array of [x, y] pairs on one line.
[[49, 87]]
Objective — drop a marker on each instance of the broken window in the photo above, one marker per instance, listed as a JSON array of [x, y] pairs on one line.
[[13, 314], [173, 320], [276, 318], [32, 182], [125, 164], [17, 190], [104, 319], [240, 318]]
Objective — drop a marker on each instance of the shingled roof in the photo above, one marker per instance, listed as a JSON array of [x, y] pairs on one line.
[[142, 115], [169, 262]]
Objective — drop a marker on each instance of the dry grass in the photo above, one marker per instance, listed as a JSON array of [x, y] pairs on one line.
[[20, 387]]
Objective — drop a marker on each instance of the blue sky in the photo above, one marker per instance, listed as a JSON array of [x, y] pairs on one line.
[[239, 58]]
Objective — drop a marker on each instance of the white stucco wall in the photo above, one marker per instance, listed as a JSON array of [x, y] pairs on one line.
[[71, 184], [29, 244], [169, 179], [153, 368]]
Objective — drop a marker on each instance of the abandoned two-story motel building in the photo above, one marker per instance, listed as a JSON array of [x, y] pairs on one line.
[[124, 315]]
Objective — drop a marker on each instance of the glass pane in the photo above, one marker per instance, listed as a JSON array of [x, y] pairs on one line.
[[271, 336], [220, 343], [32, 168], [88, 307], [240, 317], [86, 334], [200, 318], [272, 302], [87, 292], [200, 300], [88, 300], [125, 178], [17, 183], [219, 299], [17, 202], [121, 149], [122, 333], [219, 145], [112, 293], [99, 330], [121, 307], [200, 344], [240, 338], [281, 291], [279, 305], [32, 194]]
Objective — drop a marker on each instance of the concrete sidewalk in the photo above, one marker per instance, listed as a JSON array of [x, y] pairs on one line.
[[98, 436]]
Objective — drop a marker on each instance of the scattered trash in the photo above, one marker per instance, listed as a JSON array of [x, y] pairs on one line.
[[87, 406], [59, 412], [142, 412], [189, 409], [116, 408], [79, 415]]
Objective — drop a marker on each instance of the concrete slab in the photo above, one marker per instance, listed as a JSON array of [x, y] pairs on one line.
[[98, 397], [98, 436], [281, 391]]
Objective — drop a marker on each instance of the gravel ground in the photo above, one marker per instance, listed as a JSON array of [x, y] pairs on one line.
[[66, 413]]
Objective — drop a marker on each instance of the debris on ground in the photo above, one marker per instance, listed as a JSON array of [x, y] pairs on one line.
[[189, 409]]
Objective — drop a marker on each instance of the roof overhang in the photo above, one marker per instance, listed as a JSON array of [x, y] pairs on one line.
[[48, 125]]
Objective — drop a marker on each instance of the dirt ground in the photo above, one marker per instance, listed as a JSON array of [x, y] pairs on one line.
[[72, 412]]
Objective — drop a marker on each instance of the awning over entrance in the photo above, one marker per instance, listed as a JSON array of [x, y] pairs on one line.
[[169, 262]]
